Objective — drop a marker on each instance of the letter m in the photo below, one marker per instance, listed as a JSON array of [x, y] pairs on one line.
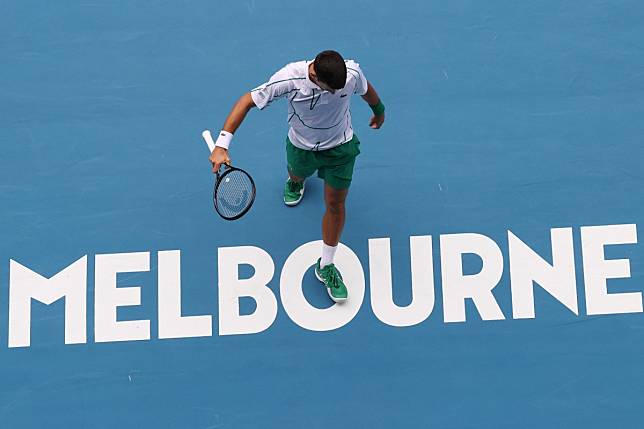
[[25, 285]]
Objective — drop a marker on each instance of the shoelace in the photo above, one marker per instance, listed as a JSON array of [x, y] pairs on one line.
[[333, 276], [293, 186]]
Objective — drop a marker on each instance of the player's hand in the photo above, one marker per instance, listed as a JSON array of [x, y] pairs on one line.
[[217, 157], [377, 121]]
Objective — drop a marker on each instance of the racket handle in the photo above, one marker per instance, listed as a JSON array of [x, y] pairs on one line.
[[208, 138]]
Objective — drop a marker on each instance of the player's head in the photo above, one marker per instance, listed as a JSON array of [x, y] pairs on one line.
[[330, 69]]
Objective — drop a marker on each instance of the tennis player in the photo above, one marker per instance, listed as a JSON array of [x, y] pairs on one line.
[[320, 138]]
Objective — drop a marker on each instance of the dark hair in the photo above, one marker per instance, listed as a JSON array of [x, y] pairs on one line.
[[330, 68]]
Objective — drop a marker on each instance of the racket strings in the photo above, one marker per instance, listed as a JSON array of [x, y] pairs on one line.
[[234, 194]]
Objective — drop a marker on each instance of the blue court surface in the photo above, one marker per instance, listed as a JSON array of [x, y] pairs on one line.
[[504, 187]]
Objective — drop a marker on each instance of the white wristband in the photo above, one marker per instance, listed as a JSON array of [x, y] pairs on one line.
[[224, 139]]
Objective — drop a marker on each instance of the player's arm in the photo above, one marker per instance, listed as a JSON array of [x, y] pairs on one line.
[[372, 98], [233, 121], [238, 113]]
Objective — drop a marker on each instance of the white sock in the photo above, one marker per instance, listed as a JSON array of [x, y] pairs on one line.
[[328, 252]]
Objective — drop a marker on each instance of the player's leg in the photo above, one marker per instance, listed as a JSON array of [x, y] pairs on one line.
[[337, 173], [332, 225], [300, 164], [333, 220], [293, 177]]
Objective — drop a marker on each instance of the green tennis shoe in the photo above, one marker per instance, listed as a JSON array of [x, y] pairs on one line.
[[332, 279], [293, 192]]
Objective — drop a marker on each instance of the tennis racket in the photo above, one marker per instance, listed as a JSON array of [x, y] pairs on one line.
[[234, 191]]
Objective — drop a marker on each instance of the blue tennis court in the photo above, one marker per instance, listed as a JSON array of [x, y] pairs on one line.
[[504, 190]]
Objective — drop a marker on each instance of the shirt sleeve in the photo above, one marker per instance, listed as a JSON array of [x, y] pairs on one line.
[[277, 86], [360, 79]]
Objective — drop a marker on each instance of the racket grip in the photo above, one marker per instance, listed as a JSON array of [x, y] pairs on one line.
[[208, 138]]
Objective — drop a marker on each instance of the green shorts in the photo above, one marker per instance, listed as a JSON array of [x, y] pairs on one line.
[[334, 166]]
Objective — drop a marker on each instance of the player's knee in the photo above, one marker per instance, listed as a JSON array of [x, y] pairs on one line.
[[335, 206]]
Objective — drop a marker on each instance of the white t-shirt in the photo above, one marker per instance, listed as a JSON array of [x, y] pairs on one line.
[[318, 119]]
